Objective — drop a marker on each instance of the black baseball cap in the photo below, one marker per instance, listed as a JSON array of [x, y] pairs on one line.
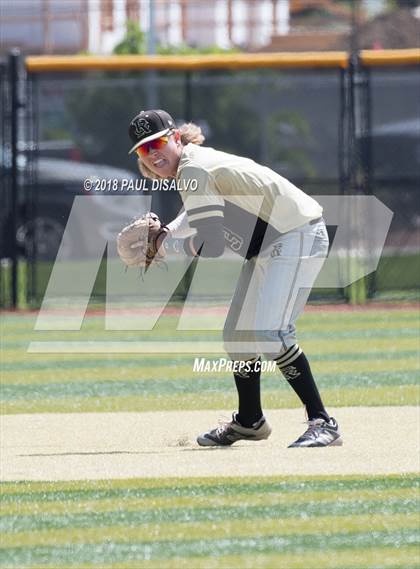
[[148, 125]]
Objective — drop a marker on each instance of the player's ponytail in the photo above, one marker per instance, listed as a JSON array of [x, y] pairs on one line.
[[190, 134]]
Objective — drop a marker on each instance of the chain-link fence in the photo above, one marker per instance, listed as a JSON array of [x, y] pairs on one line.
[[301, 123], [395, 143]]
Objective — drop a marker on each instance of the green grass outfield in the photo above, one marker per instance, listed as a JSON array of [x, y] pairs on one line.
[[317, 522], [360, 358]]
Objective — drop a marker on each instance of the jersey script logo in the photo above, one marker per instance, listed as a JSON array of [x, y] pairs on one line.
[[233, 240], [141, 127]]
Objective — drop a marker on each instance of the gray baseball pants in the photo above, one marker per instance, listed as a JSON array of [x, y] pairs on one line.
[[272, 291]]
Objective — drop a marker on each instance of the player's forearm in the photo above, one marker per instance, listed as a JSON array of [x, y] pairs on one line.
[[208, 242]]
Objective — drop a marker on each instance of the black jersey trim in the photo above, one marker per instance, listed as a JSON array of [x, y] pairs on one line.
[[204, 208]]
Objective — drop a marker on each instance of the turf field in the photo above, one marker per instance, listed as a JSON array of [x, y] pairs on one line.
[[361, 358], [271, 522]]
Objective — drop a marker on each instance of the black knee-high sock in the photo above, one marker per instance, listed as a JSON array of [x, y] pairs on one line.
[[248, 386], [296, 369]]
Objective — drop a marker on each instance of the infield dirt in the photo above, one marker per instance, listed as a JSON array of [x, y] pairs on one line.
[[91, 446]]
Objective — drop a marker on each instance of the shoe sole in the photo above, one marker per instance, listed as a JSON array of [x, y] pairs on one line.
[[335, 443], [205, 442], [209, 443]]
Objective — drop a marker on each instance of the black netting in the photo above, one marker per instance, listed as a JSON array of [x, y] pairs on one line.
[[395, 141], [292, 121]]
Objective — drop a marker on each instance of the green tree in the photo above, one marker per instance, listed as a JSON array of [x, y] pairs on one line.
[[403, 3], [184, 49], [134, 41], [239, 107]]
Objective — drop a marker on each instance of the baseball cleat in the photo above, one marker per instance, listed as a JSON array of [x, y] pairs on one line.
[[320, 433], [229, 433]]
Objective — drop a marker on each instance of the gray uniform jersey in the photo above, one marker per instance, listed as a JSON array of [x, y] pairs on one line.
[[249, 200]]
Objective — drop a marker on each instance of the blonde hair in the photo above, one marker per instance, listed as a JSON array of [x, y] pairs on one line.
[[190, 133]]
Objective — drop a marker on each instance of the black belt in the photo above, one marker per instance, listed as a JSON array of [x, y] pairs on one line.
[[317, 220]]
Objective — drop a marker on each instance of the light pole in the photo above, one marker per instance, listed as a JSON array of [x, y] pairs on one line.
[[151, 36], [354, 35], [151, 50]]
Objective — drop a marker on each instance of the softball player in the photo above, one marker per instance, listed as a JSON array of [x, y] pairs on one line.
[[279, 231]]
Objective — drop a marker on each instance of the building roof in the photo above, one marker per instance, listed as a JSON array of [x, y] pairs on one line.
[[392, 30]]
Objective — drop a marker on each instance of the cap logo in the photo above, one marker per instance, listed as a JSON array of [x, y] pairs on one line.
[[141, 127]]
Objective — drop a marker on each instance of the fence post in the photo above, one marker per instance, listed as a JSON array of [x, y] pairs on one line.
[[355, 168], [188, 114], [14, 63], [188, 97]]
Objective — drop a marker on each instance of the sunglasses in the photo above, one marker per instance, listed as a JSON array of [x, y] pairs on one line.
[[156, 144]]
